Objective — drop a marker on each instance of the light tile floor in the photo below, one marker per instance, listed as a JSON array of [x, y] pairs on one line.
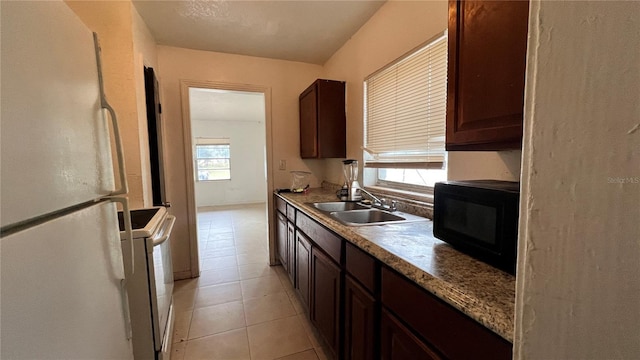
[[239, 307]]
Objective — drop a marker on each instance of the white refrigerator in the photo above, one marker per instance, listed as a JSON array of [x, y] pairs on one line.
[[62, 289]]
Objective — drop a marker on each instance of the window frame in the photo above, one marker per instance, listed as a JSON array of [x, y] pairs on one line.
[[202, 142]]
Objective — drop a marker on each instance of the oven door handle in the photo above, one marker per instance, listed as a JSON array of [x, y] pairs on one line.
[[171, 220]]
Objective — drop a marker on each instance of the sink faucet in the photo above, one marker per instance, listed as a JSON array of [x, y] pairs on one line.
[[381, 203]]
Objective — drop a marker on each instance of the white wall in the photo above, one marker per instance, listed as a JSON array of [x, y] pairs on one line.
[[246, 134], [397, 28], [286, 79], [498, 165], [578, 277]]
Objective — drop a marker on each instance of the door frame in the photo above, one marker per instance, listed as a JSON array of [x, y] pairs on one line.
[[192, 210]]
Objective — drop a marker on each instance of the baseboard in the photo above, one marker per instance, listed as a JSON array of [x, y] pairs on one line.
[[228, 206]]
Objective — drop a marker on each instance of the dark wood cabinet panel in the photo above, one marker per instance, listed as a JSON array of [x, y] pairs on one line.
[[454, 334], [329, 242], [303, 268], [359, 322], [486, 74], [325, 298], [323, 120], [281, 205], [362, 266], [291, 213], [281, 239], [398, 343], [291, 252], [309, 123]]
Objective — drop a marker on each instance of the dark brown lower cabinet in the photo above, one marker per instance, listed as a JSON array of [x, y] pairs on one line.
[[291, 252], [359, 322], [398, 342], [455, 335], [325, 298], [303, 262], [281, 239], [377, 313]]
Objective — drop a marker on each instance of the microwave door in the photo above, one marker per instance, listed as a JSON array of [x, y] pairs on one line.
[[473, 220]]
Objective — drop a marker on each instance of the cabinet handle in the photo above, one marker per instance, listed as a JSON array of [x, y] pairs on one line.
[[166, 232]]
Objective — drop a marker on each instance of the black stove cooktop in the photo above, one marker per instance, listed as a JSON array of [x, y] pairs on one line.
[[139, 218]]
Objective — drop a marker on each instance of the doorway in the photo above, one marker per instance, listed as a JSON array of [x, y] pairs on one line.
[[154, 132], [228, 145]]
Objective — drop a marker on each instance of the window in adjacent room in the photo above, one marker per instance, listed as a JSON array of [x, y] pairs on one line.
[[213, 159], [404, 112]]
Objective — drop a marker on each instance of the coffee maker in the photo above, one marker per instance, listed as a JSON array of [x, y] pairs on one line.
[[350, 170]]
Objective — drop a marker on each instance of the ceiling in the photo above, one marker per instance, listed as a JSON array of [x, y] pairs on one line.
[[303, 30]]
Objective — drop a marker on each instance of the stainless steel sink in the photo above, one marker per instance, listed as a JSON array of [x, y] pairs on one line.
[[373, 217], [354, 214], [338, 206], [369, 216]]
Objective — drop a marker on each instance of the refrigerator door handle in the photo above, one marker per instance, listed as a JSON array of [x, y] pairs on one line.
[[124, 187], [128, 230], [126, 311]]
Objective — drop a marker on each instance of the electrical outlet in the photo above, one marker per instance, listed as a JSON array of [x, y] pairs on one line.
[[283, 165]]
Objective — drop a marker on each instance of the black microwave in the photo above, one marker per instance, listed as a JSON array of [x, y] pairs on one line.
[[480, 218]]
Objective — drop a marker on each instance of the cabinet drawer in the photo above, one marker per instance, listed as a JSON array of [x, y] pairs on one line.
[[291, 213], [454, 334], [361, 266], [281, 205], [325, 239]]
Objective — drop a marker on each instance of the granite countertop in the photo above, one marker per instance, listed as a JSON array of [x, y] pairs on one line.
[[484, 293]]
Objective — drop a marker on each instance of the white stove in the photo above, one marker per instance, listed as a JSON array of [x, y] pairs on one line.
[[150, 287]]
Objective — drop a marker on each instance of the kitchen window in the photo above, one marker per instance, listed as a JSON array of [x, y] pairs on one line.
[[405, 112], [213, 159]]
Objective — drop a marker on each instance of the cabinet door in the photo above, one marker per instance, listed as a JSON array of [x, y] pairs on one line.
[[398, 343], [291, 252], [332, 123], [325, 297], [309, 123], [487, 57], [303, 269], [359, 322], [281, 239], [323, 120]]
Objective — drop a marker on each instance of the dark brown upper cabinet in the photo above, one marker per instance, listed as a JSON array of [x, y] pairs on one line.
[[323, 120], [486, 74]]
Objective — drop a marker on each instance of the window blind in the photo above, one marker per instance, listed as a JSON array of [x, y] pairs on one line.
[[212, 141], [405, 110]]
